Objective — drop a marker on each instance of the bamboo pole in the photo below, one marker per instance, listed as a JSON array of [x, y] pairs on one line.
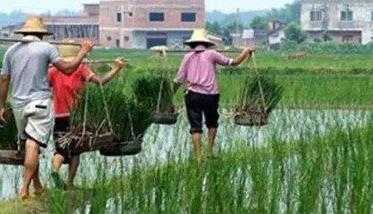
[[9, 40], [222, 51]]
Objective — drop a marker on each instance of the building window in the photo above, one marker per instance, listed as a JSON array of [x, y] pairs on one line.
[[188, 17], [108, 38], [126, 38], [119, 17], [118, 43], [156, 17], [316, 15], [347, 14]]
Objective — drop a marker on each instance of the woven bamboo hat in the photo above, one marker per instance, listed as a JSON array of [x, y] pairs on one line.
[[68, 52], [200, 36], [34, 24]]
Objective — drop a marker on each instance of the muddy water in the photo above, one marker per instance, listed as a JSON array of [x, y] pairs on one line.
[[162, 143]]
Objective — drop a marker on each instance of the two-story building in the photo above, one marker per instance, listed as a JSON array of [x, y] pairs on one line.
[[77, 28], [143, 24], [133, 24], [341, 20]]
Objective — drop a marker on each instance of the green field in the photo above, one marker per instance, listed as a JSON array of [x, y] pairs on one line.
[[326, 167]]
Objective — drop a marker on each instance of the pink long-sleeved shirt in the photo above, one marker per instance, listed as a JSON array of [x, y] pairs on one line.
[[198, 69]]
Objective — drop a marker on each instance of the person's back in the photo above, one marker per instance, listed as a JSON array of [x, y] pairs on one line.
[[199, 70], [27, 64]]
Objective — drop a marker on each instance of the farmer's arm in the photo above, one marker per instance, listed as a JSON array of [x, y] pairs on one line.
[[247, 52], [70, 67], [115, 69]]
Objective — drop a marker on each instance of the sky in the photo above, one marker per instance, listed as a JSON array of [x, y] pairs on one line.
[[41, 6]]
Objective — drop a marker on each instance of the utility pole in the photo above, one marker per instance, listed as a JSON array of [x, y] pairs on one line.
[[237, 37]]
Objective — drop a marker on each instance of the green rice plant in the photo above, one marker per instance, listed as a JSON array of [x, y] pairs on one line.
[[153, 86], [130, 115], [259, 96]]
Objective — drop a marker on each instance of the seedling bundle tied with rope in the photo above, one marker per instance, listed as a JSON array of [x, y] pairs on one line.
[[165, 112], [94, 117], [258, 98], [10, 149]]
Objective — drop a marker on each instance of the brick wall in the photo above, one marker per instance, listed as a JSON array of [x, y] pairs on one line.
[[134, 17]]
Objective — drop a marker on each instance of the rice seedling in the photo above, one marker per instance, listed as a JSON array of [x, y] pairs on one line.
[[318, 171], [259, 96]]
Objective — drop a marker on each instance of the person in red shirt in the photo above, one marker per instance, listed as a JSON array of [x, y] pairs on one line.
[[67, 91]]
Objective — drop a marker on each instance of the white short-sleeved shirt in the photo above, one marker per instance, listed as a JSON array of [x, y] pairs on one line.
[[27, 64]]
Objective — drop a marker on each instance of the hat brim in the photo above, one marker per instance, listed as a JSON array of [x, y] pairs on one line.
[[190, 42], [24, 31], [68, 59]]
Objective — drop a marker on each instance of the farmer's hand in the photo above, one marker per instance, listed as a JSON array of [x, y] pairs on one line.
[[249, 50], [4, 115], [118, 64], [86, 46]]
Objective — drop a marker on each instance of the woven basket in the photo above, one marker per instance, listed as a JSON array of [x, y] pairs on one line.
[[165, 118], [122, 149]]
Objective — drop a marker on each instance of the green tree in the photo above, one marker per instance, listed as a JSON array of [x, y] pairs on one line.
[[293, 32], [214, 28], [289, 13], [258, 23]]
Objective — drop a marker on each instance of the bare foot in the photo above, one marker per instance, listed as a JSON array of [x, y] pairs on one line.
[[38, 188], [24, 195]]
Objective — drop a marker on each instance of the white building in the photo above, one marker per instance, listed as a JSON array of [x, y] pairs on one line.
[[341, 20]]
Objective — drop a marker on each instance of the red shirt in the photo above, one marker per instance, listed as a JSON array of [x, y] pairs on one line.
[[68, 89]]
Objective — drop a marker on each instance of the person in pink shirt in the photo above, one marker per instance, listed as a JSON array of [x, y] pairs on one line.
[[198, 71], [67, 91]]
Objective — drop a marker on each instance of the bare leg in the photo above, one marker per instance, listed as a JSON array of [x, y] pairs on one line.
[[196, 138], [57, 162], [39, 189], [31, 167], [211, 136], [73, 168]]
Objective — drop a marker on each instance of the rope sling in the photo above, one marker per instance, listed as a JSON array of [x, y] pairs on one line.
[[163, 59], [254, 110], [66, 139], [260, 85], [167, 115]]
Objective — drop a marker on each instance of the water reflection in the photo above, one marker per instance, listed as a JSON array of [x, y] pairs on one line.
[[162, 143]]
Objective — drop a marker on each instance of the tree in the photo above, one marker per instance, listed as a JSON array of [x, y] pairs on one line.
[[214, 28], [289, 13], [258, 23], [293, 32]]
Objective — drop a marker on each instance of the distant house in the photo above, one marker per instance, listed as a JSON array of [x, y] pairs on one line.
[[343, 21], [276, 34], [216, 39], [8, 31], [75, 27], [249, 37], [131, 23], [147, 23]]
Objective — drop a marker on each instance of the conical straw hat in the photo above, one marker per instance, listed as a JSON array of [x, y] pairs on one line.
[[199, 36], [68, 52], [34, 24]]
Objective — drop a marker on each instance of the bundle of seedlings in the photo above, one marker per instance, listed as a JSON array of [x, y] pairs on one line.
[[165, 111], [128, 116], [258, 98], [162, 88], [10, 153]]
